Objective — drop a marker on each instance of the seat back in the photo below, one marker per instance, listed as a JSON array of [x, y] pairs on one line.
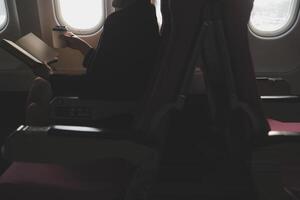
[[235, 107], [229, 71], [174, 71], [168, 89], [236, 17]]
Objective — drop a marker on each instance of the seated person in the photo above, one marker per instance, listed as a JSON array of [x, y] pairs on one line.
[[118, 69]]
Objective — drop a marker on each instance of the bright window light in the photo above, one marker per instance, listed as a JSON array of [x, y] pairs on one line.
[[273, 17], [83, 16], [157, 4], [3, 14]]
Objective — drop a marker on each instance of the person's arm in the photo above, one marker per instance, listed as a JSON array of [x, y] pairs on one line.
[[75, 42], [42, 70], [86, 49]]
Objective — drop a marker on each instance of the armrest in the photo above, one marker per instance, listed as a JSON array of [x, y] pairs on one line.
[[72, 109], [281, 99], [264, 78], [293, 192], [73, 144], [284, 133], [278, 137]]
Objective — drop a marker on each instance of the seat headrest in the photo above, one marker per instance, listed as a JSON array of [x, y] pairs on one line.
[[120, 4], [239, 8]]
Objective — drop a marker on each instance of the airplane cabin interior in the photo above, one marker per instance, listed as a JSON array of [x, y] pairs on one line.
[[150, 99]]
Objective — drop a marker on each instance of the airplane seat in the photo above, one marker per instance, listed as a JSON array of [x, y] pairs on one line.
[[273, 86], [107, 179], [182, 178], [69, 181], [225, 30], [231, 84], [236, 20]]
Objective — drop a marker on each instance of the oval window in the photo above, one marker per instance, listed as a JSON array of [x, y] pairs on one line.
[[271, 18], [81, 16], [3, 14]]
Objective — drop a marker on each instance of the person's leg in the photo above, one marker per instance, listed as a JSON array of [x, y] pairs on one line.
[[37, 111], [68, 85]]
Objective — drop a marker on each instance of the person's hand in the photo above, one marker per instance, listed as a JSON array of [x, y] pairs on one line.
[[42, 70], [72, 40], [75, 42]]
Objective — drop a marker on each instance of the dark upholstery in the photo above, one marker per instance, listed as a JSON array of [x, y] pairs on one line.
[[182, 34], [227, 66], [103, 180], [182, 178], [236, 17]]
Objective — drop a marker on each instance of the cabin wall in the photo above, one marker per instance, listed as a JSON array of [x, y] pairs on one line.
[[14, 76], [279, 59], [279, 56]]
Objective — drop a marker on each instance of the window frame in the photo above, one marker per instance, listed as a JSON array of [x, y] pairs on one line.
[[6, 22], [283, 30], [60, 20]]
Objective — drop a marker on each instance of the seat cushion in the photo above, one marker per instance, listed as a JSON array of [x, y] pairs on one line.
[[284, 126], [102, 180]]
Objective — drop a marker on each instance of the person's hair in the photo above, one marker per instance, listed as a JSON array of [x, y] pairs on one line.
[[120, 4]]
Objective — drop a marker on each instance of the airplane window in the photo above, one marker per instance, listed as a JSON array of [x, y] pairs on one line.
[[81, 16], [3, 14], [271, 18]]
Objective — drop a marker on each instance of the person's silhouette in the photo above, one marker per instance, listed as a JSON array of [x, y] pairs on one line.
[[118, 69]]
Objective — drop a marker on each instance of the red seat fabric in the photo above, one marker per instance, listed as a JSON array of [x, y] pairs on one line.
[[284, 126], [102, 180]]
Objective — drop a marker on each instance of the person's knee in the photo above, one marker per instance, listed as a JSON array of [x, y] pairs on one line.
[[41, 85], [40, 92], [36, 115]]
